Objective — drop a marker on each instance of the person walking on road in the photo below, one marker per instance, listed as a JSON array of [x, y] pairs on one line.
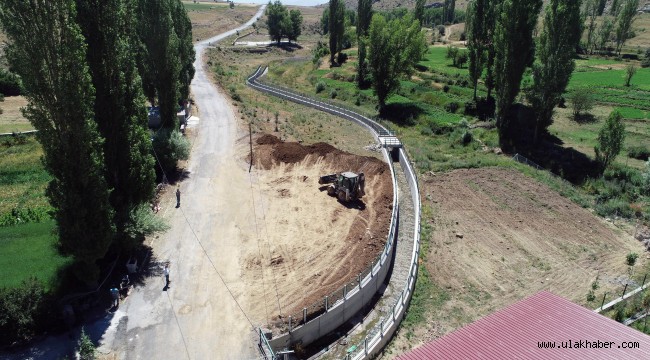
[[178, 197], [166, 272]]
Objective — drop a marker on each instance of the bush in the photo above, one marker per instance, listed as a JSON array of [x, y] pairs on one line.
[[645, 185], [581, 100], [646, 60], [630, 259], [452, 107], [143, 222], [23, 215], [320, 86], [10, 83], [233, 93], [466, 138], [22, 311], [614, 207], [333, 94], [639, 152], [85, 346], [342, 58], [170, 146], [445, 88]]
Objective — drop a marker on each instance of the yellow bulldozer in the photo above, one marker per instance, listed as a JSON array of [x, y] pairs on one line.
[[346, 186]]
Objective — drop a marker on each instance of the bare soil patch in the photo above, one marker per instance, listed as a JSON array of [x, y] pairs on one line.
[[310, 244], [499, 237]]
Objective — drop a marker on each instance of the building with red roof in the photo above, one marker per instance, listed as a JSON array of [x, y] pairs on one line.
[[543, 326]]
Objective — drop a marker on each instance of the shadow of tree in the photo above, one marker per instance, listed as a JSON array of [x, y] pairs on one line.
[[585, 119], [403, 114]]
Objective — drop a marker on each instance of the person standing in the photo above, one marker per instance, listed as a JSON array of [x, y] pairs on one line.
[[166, 272], [115, 294], [178, 197]]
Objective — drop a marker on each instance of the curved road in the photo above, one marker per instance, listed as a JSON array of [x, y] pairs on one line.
[[201, 316]]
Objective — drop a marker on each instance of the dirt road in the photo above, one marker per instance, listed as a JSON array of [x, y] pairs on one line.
[[200, 316]]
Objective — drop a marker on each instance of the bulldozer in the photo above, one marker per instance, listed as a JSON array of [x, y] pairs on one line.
[[346, 186]]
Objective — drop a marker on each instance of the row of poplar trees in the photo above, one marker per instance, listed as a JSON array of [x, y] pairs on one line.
[[88, 67], [501, 48]]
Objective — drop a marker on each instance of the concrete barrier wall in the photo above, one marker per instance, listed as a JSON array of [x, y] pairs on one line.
[[361, 295]]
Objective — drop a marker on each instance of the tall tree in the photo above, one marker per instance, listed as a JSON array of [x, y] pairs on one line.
[[159, 62], [336, 27], [418, 12], [556, 51], [449, 11], [490, 27], [276, 14], [477, 40], [364, 17], [48, 51], [395, 48], [513, 45], [295, 16], [108, 27], [183, 29], [591, 12], [624, 23], [605, 32], [610, 140]]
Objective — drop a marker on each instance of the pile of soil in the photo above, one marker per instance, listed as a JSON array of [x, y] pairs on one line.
[[367, 235]]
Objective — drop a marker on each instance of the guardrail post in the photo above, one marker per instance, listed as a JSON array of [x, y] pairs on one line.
[[624, 289], [326, 303], [394, 312], [365, 345], [382, 328], [359, 280], [372, 265], [304, 315], [644, 277], [345, 292], [603, 303], [290, 328]]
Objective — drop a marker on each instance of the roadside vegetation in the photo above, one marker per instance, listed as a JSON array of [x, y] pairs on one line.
[[75, 191]]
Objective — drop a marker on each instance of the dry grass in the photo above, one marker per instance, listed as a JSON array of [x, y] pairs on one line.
[[12, 119]]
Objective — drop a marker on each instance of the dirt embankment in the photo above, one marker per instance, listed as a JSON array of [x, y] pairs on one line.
[[314, 244]]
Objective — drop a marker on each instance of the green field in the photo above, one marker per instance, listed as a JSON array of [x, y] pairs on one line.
[[29, 250]]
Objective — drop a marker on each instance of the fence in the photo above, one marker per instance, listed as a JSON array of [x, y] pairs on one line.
[[381, 334]]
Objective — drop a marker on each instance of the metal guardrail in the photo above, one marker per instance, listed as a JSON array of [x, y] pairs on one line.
[[379, 335]]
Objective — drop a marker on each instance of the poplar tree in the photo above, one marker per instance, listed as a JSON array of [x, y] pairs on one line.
[[336, 27], [555, 50], [418, 12], [48, 51], [364, 17], [624, 21], [108, 27], [477, 40], [187, 55], [513, 44]]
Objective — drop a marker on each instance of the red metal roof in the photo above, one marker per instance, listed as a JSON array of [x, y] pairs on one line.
[[516, 331]]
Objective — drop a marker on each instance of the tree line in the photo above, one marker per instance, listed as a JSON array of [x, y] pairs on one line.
[[88, 67]]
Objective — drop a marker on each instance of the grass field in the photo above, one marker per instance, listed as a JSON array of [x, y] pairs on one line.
[[12, 119], [29, 250]]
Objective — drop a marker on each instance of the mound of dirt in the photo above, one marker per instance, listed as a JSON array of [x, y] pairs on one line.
[[340, 239]]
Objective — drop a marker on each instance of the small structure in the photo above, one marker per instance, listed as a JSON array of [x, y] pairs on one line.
[[543, 326]]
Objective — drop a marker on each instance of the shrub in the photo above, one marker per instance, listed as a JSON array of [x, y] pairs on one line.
[[23, 215], [581, 100], [342, 58], [22, 311], [591, 296], [85, 346], [614, 207], [645, 184], [10, 83], [233, 93], [466, 138], [320, 86], [333, 94], [452, 107], [630, 259], [639, 152], [619, 312], [646, 60], [143, 222], [170, 146], [445, 88]]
